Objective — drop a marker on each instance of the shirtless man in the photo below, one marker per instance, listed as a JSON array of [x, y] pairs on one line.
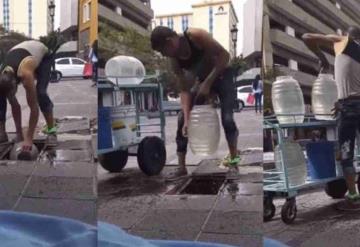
[[28, 63], [197, 54], [347, 76]]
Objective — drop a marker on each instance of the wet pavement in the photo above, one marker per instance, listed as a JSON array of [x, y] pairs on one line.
[[62, 181], [318, 223], [229, 212]]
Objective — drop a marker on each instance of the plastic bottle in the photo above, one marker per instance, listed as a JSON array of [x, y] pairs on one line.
[[124, 70], [287, 98], [17, 154], [204, 130], [323, 96], [294, 161]]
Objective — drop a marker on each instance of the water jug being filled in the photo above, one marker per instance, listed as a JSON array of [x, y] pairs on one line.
[[287, 98], [124, 70], [204, 130], [323, 96], [294, 160]]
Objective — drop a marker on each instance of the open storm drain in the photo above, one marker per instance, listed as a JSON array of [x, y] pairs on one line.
[[199, 186]]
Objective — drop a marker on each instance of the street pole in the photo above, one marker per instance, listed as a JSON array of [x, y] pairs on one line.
[[52, 14]]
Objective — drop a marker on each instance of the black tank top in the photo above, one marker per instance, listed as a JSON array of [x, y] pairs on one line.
[[195, 57], [13, 59]]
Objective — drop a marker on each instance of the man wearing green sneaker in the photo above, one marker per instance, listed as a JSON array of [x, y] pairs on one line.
[[347, 67], [28, 63], [202, 68]]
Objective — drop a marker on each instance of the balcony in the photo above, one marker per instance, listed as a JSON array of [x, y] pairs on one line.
[[289, 14], [292, 48], [120, 21]]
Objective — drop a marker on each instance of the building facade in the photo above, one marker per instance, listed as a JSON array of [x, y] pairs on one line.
[[252, 30], [69, 19], [285, 21], [127, 14], [88, 25], [215, 16], [30, 17]]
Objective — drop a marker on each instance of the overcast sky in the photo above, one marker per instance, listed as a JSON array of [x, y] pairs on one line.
[[177, 6]]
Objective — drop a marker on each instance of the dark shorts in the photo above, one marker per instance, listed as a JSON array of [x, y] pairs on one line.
[[348, 124]]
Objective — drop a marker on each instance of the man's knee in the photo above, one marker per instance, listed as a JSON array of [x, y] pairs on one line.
[[228, 122], [45, 103]]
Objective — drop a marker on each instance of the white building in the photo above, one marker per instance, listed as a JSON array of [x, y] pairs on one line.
[[215, 16], [30, 17], [252, 34]]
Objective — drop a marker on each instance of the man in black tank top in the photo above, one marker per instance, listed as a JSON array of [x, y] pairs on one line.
[[25, 63], [347, 67], [201, 65]]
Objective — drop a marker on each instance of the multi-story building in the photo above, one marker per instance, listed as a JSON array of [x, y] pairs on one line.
[[30, 17], [217, 17], [252, 32], [285, 21], [88, 25], [69, 19], [127, 14]]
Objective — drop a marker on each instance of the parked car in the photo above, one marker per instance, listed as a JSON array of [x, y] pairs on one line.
[[242, 96], [69, 67]]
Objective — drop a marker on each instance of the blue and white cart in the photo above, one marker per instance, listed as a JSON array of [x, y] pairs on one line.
[[124, 129], [276, 181]]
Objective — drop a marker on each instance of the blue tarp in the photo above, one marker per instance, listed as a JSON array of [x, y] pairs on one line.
[[32, 230]]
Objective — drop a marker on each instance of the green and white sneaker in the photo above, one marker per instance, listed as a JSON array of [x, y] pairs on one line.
[[351, 203], [228, 162], [49, 131]]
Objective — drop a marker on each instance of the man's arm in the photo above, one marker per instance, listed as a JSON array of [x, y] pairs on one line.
[[16, 112], [314, 41], [218, 55], [31, 97], [184, 84]]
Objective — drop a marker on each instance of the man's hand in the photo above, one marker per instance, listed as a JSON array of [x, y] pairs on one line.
[[26, 146], [203, 93]]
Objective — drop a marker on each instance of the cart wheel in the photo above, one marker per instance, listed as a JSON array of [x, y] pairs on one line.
[[289, 211], [151, 155], [113, 161], [269, 209], [336, 189]]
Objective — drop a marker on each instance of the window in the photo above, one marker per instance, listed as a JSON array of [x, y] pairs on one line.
[[221, 9], [211, 20], [86, 12], [6, 14], [245, 90], [63, 61], [30, 17], [161, 21], [77, 61], [185, 22]]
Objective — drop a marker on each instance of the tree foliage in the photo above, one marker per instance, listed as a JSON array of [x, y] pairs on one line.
[[128, 42], [9, 40]]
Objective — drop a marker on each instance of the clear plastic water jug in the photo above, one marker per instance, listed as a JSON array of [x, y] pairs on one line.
[[124, 70], [323, 96], [294, 160], [287, 99], [204, 130], [17, 154], [123, 122]]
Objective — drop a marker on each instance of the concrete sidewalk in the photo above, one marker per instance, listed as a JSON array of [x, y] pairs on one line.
[[148, 207]]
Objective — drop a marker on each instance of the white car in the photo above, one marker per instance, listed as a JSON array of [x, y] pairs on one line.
[[242, 96], [70, 66]]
